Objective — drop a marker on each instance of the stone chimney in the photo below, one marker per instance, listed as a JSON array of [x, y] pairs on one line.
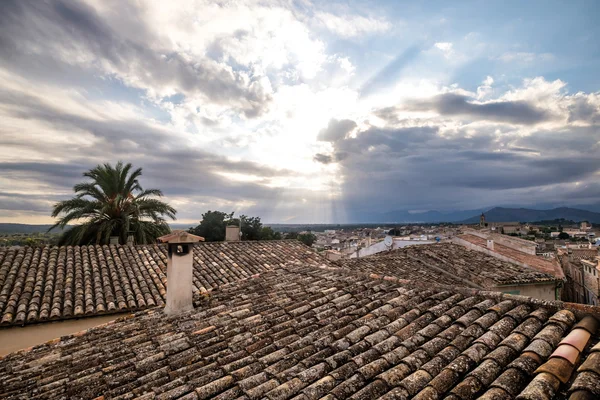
[[490, 244], [232, 233], [179, 270]]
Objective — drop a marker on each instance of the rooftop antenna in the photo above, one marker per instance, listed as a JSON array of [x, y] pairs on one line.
[[388, 241]]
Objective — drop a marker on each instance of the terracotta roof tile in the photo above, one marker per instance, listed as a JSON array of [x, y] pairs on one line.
[[539, 264], [446, 263], [38, 284], [303, 332]]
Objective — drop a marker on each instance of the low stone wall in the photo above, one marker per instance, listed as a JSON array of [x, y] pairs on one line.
[[381, 247], [522, 245], [546, 291], [472, 246]]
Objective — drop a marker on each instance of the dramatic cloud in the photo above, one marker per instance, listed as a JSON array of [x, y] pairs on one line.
[[78, 36], [295, 111], [516, 112], [336, 130]]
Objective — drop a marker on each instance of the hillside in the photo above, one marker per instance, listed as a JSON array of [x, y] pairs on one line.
[[501, 214], [6, 228], [403, 216]]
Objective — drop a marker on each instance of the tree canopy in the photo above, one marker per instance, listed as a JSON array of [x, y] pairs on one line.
[[563, 235], [113, 203], [307, 238], [213, 224]]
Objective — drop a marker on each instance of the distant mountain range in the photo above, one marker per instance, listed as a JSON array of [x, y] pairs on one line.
[[403, 216], [6, 228], [501, 214], [496, 214]]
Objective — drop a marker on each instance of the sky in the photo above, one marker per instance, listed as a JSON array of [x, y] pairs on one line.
[[300, 111]]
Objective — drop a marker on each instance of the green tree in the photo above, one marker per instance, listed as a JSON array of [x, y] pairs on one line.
[[563, 235], [394, 232], [113, 203], [291, 235], [251, 228], [307, 238], [212, 226], [267, 233]]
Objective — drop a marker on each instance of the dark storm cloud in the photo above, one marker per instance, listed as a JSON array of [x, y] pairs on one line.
[[53, 27], [418, 168], [377, 141], [514, 112], [336, 130], [393, 140], [328, 159], [323, 158], [583, 110]]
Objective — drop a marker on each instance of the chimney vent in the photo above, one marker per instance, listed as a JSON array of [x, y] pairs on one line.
[[232, 233], [490, 244], [179, 270]]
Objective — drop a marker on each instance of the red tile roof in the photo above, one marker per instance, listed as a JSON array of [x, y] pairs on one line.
[[535, 262], [447, 263], [303, 332], [583, 254], [54, 283]]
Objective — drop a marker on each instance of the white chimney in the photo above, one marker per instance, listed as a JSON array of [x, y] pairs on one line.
[[179, 270], [232, 233], [490, 244]]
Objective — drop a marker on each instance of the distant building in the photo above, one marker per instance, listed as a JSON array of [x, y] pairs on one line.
[[585, 226], [575, 233], [580, 266], [511, 229], [520, 252]]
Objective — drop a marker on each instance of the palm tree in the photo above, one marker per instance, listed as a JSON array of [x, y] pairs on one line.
[[113, 204]]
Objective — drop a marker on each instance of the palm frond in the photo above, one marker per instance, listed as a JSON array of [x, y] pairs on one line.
[[113, 203]]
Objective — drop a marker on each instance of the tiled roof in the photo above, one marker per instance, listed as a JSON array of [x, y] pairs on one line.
[[52, 283], [446, 263], [302, 332], [400, 266], [532, 261], [583, 254]]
